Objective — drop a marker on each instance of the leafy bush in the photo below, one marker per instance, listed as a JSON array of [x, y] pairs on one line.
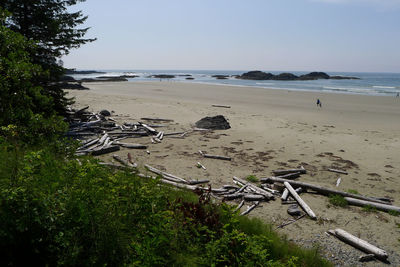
[[64, 211]]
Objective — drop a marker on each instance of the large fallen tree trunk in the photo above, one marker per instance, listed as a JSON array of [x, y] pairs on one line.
[[379, 206], [301, 202], [320, 189], [359, 243]]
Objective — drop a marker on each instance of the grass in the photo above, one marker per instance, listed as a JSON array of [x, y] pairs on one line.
[[57, 210], [394, 213], [252, 178], [352, 191], [369, 208], [338, 200]]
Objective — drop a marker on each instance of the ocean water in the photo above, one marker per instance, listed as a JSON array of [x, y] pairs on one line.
[[385, 84]]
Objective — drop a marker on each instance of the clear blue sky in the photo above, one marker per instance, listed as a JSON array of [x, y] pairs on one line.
[[324, 35]]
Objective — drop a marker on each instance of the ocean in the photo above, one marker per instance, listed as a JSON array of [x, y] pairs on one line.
[[384, 84]]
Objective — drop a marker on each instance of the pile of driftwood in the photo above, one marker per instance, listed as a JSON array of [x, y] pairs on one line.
[[290, 187], [101, 134]]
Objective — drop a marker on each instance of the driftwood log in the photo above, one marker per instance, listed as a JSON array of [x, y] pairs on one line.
[[133, 146], [379, 206], [216, 157], [359, 243], [255, 188], [250, 208], [284, 172], [320, 189], [105, 150], [220, 106], [165, 175], [293, 175], [301, 202], [338, 171]]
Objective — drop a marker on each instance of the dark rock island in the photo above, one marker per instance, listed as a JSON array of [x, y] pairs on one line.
[[260, 75]]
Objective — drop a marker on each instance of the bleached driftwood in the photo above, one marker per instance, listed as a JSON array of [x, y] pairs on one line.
[[252, 197], [105, 150], [173, 133], [257, 189], [133, 146], [359, 243], [88, 144], [285, 195], [338, 171], [150, 129], [379, 206], [239, 206], [338, 182], [220, 106], [201, 165], [250, 208], [320, 189], [166, 175], [283, 172], [303, 204]]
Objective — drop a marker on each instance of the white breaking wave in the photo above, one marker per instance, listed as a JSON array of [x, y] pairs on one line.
[[384, 87]]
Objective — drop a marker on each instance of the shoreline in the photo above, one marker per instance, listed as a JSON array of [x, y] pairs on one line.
[[274, 129]]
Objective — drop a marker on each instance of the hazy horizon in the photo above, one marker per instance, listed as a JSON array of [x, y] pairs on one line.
[[302, 35]]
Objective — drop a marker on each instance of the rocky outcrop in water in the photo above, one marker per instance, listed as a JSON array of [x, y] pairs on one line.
[[162, 76], [220, 77], [74, 71], [104, 79], [260, 75]]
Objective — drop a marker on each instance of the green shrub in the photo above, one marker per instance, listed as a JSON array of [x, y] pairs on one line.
[[57, 210], [252, 178], [338, 200]]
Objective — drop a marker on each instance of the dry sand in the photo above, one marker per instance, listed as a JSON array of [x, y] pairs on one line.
[[274, 129]]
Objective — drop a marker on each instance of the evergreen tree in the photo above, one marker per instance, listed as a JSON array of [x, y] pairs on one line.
[[53, 28]]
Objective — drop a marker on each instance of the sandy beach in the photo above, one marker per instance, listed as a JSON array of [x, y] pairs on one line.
[[272, 129]]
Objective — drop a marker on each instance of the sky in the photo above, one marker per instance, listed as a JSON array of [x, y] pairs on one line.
[[286, 35]]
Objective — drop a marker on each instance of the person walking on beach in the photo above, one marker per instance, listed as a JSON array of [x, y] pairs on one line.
[[319, 104]]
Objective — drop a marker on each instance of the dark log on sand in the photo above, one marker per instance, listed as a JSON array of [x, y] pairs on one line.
[[78, 112], [216, 157], [338, 171], [359, 243], [320, 189], [233, 196], [194, 182], [133, 146], [290, 175], [301, 202], [156, 119], [283, 172], [379, 206], [105, 150]]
